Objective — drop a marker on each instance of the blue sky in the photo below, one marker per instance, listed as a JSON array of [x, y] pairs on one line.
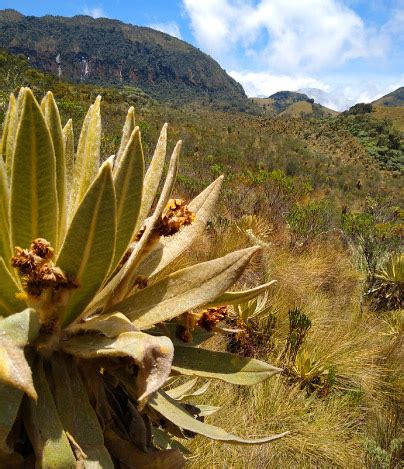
[[351, 50]]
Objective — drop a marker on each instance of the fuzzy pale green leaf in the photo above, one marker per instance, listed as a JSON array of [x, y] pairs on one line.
[[88, 154], [52, 118], [122, 282], [44, 428], [153, 176], [5, 240], [68, 141], [14, 369], [183, 392], [172, 247], [110, 325], [173, 411], [128, 181], [33, 201], [9, 132], [76, 413], [6, 127], [22, 328], [9, 304], [179, 391], [127, 130], [184, 290], [221, 365], [206, 410], [153, 355], [237, 297], [88, 249]]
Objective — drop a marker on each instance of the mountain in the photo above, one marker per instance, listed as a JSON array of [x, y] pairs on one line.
[[109, 52], [333, 100], [391, 107], [393, 99], [293, 104], [330, 154]]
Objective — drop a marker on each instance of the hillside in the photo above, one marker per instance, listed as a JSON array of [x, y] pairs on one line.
[[395, 114], [393, 99], [292, 104], [391, 107], [331, 154], [320, 197], [79, 49]]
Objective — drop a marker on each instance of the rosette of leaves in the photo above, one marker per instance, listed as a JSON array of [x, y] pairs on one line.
[[387, 291], [86, 343]]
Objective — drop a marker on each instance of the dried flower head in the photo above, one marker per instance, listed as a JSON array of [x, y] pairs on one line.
[[42, 248], [211, 316], [175, 215], [37, 271]]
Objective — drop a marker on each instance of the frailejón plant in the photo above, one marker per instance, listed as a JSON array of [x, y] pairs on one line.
[[88, 321]]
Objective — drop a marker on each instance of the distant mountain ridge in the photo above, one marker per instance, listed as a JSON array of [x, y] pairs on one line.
[[293, 104], [110, 52], [395, 98]]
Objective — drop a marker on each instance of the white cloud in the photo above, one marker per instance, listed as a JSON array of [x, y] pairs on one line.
[[296, 36], [332, 92], [95, 12], [267, 83], [170, 28]]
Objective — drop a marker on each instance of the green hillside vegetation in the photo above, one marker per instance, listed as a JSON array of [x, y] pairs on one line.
[[80, 49], [395, 114], [280, 100], [378, 133], [322, 197], [395, 98], [307, 109], [293, 104]]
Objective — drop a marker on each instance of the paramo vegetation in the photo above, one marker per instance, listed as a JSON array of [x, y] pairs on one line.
[[319, 198]]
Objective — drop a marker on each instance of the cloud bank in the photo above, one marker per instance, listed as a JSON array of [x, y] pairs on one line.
[[304, 35], [273, 45]]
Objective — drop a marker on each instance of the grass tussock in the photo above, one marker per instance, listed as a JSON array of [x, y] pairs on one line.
[[341, 396]]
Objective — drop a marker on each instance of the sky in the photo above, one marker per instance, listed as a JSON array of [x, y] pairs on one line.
[[348, 51]]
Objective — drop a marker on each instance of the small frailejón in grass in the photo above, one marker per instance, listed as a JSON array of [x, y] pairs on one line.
[[88, 324]]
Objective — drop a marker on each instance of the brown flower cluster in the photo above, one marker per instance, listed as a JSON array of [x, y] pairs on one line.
[[37, 270], [211, 316], [175, 215]]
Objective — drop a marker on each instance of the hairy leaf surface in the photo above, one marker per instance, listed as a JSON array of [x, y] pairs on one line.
[[88, 249], [14, 369], [44, 428], [128, 181], [153, 355], [153, 176], [34, 206], [221, 365], [88, 153], [173, 411], [9, 304], [184, 290], [237, 297], [171, 248]]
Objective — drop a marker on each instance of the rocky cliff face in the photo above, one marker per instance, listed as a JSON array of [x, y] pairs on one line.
[[111, 52]]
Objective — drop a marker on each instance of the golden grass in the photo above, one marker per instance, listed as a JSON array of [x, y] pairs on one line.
[[364, 351], [394, 113]]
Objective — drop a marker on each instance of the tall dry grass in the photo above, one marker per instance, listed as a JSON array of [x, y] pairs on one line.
[[356, 424]]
